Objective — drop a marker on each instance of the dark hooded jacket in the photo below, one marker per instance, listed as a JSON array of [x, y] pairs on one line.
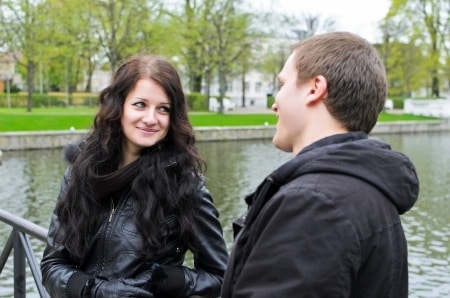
[[327, 224], [116, 251]]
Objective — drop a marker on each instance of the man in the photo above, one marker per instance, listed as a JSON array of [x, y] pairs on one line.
[[326, 223]]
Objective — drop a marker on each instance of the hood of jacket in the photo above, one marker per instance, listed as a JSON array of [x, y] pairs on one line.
[[354, 154]]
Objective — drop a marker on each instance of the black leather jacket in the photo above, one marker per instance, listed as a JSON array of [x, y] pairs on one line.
[[115, 251]]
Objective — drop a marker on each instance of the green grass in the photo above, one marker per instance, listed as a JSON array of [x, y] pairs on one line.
[[45, 119], [214, 119], [81, 118]]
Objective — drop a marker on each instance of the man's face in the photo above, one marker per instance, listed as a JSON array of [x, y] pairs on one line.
[[289, 107]]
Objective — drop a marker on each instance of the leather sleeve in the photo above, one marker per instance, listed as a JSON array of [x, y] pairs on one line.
[[210, 263], [59, 274]]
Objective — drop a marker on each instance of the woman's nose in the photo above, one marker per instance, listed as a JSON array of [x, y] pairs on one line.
[[150, 117]]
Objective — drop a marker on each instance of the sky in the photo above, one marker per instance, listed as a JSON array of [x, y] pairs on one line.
[[357, 16]]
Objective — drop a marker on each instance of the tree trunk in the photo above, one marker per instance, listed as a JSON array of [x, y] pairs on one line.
[[222, 86], [68, 82], [243, 89], [90, 73], [435, 85], [197, 84], [30, 84], [208, 91]]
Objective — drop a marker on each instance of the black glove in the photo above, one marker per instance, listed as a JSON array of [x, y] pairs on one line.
[[129, 287], [138, 286], [167, 280]]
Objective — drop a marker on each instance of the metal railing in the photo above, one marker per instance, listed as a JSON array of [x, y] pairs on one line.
[[23, 251]]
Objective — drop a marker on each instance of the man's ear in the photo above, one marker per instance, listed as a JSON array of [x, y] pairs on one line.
[[318, 89]]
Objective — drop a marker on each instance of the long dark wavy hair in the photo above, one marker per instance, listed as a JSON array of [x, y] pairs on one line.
[[169, 172]]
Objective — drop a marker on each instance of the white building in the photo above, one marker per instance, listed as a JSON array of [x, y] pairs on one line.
[[257, 84], [257, 87]]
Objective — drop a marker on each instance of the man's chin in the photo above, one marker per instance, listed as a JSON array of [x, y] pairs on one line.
[[280, 146]]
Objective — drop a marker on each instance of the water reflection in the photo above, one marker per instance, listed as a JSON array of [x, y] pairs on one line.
[[29, 183], [427, 225], [234, 170]]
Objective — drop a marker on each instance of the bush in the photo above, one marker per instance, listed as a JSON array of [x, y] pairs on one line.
[[44, 100], [14, 89], [398, 102], [19, 100], [90, 101], [270, 100], [197, 101]]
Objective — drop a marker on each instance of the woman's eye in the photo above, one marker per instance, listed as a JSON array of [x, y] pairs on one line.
[[164, 109], [139, 104]]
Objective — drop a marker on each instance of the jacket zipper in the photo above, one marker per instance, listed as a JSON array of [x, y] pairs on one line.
[[113, 210], [105, 233]]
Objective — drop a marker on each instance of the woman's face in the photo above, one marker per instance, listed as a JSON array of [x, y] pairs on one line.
[[145, 118]]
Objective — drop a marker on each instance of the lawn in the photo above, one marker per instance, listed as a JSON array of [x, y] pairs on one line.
[[81, 118]]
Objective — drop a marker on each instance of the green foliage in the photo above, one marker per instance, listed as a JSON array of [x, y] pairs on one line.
[[215, 38], [270, 101], [19, 100], [197, 101], [90, 101], [415, 38], [398, 101], [13, 89], [404, 70], [39, 100], [61, 42]]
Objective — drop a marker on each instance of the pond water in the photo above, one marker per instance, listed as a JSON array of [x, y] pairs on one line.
[[29, 183]]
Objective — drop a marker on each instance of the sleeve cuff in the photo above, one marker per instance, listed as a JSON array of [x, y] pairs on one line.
[[173, 284], [76, 284]]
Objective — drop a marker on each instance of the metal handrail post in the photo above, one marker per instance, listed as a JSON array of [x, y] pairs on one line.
[[20, 244], [34, 266], [6, 251], [19, 267]]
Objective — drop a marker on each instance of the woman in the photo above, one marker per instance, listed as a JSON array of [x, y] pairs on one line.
[[134, 201]]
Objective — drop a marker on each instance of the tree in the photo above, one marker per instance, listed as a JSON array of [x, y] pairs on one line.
[[274, 44], [273, 58], [24, 26], [123, 27], [197, 45], [401, 53], [93, 34], [307, 25], [214, 36], [231, 38], [245, 64], [431, 22], [65, 47]]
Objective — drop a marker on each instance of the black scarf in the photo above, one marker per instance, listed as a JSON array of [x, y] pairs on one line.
[[112, 184]]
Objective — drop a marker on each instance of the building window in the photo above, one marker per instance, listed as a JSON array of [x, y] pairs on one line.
[[247, 86], [258, 87], [229, 87]]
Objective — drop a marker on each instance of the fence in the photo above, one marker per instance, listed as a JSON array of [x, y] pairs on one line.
[[428, 107], [23, 251]]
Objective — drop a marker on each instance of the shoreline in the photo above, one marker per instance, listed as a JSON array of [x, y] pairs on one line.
[[10, 141]]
